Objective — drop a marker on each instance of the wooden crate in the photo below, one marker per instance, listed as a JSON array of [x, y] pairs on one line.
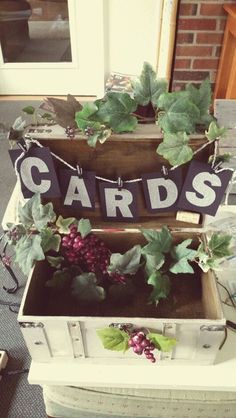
[[55, 329]]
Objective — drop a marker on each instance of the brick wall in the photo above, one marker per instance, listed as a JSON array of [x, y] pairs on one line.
[[200, 30]]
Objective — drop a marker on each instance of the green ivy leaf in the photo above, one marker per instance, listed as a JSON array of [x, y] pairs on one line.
[[182, 255], [34, 213], [148, 88], [206, 262], [60, 280], [84, 227], [114, 339], [219, 245], [161, 342], [175, 148], [160, 241], [166, 100], [55, 262], [50, 241], [161, 286], [215, 132], [127, 263], [201, 97], [63, 224], [180, 117], [87, 118], [116, 112], [27, 250], [153, 262], [84, 288], [29, 110]]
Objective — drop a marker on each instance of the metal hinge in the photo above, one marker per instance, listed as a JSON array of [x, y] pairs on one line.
[[212, 328], [36, 340], [76, 339]]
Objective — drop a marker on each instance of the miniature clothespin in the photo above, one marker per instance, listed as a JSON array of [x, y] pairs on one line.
[[164, 170], [120, 183], [79, 171]]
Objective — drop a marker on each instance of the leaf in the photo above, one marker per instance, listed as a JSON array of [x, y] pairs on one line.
[[153, 262], [116, 112], [27, 251], [127, 263], [161, 342], [201, 97], [148, 88], [60, 279], [65, 110], [219, 245], [55, 262], [114, 339], [166, 100], [63, 224], [215, 132], [34, 213], [84, 227], [181, 116], [86, 118], [50, 241], [161, 239], [222, 158], [29, 110], [47, 116], [182, 255], [175, 148], [84, 288], [161, 287]]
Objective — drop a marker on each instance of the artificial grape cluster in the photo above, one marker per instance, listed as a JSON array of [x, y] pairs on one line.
[[89, 131], [142, 345], [70, 132], [6, 260], [90, 253], [13, 235]]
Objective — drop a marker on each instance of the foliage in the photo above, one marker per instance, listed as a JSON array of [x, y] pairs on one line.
[[147, 88], [116, 339], [39, 235], [175, 148], [65, 110]]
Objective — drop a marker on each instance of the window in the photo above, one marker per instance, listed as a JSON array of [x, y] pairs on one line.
[[55, 47]]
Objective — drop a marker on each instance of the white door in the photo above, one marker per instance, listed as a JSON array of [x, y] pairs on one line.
[[51, 47]]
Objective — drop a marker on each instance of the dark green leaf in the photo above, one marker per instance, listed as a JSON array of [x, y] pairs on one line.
[[60, 280], [114, 339], [87, 118], [166, 100], [180, 117], [161, 286], [85, 288], [161, 342], [47, 116], [161, 240], [182, 255], [34, 213], [27, 250], [29, 110], [55, 262], [84, 227], [65, 110], [215, 132], [63, 224], [116, 112], [175, 148], [127, 263], [153, 262], [219, 245], [201, 97], [148, 88], [50, 241]]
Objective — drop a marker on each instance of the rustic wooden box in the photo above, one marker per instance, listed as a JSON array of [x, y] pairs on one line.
[[56, 328]]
